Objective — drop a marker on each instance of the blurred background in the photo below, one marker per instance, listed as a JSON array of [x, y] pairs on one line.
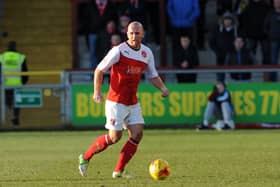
[[63, 41]]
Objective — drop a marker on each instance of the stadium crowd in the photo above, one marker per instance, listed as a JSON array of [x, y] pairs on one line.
[[242, 26]]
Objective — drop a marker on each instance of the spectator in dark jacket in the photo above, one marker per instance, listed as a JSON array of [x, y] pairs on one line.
[[182, 15], [272, 28], [251, 27], [200, 24], [135, 9], [221, 40], [224, 6], [124, 20], [235, 7], [240, 56], [186, 58], [98, 14], [152, 11], [103, 40]]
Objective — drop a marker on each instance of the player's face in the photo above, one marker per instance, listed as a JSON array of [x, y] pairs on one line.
[[135, 35]]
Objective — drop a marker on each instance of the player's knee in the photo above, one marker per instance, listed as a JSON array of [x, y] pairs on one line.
[[115, 137], [137, 136]]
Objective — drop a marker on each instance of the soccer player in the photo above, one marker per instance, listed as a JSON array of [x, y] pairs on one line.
[[127, 62]]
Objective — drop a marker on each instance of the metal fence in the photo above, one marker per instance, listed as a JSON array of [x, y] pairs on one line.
[[41, 104], [54, 109]]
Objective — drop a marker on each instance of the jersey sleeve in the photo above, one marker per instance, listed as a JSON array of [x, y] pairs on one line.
[[151, 69], [112, 57]]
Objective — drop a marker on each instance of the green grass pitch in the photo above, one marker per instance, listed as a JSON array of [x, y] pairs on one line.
[[238, 158]]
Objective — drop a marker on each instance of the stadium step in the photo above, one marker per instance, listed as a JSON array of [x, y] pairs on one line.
[[42, 30]]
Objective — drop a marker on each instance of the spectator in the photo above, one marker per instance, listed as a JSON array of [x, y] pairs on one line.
[[124, 21], [219, 106], [235, 7], [221, 40], [200, 39], [13, 61], [186, 58], [135, 9], [269, 2], [98, 13], [115, 39], [272, 28], [103, 40], [224, 6], [182, 15], [152, 10], [82, 16], [251, 27], [240, 56], [240, 6]]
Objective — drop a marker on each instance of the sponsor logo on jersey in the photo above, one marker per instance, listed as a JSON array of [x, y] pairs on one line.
[[134, 70], [144, 54]]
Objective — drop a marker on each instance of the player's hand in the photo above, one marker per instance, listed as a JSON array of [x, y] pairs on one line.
[[165, 92], [97, 97]]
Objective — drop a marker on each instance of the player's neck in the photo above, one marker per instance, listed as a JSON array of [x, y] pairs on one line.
[[133, 45]]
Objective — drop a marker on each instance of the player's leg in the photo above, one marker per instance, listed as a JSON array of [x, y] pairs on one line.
[[99, 145], [129, 149], [102, 142], [135, 134], [115, 114]]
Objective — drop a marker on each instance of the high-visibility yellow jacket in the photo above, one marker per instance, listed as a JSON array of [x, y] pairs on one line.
[[12, 61]]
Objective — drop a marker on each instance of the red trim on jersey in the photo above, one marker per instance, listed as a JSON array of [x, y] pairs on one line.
[[125, 78]]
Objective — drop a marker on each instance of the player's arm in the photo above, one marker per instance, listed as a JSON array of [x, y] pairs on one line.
[[154, 77], [111, 58], [158, 83], [97, 83]]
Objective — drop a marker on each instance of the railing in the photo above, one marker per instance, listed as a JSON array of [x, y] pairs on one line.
[[58, 108], [204, 73], [56, 90]]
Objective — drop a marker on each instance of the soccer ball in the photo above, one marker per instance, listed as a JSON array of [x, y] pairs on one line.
[[159, 169]]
